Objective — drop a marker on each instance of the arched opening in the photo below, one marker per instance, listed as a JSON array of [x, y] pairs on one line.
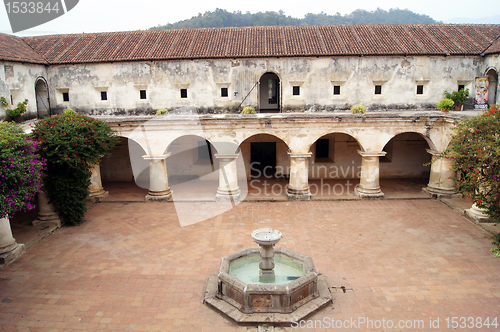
[[42, 98], [403, 170], [493, 86], [267, 166], [335, 166], [269, 100], [193, 170], [125, 175]]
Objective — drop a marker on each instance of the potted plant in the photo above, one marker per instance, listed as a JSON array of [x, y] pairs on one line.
[[16, 113], [458, 97], [248, 110], [445, 104], [358, 109]]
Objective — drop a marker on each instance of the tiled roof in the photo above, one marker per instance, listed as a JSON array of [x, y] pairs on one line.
[[275, 41], [15, 49], [494, 48]]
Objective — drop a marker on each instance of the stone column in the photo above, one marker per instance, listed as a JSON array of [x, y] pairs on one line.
[[47, 213], [9, 248], [369, 186], [477, 213], [228, 179], [158, 179], [441, 183], [298, 187], [96, 189]]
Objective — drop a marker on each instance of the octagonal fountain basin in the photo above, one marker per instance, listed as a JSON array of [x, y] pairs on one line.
[[295, 291]]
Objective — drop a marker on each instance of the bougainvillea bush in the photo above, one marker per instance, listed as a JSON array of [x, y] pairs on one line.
[[20, 170], [476, 152], [71, 143]]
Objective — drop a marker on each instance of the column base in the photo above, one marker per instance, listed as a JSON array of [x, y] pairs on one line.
[[163, 195], [477, 214], [11, 253], [228, 196], [438, 193], [47, 219], [298, 195], [96, 196], [369, 193]]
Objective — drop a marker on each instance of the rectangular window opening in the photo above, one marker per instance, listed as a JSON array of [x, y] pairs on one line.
[[184, 93], [65, 96], [104, 95], [336, 90], [460, 87], [420, 89], [322, 148], [378, 89], [224, 92], [142, 94], [296, 90]]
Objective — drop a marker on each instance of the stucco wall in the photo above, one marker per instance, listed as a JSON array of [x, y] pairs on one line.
[[203, 79]]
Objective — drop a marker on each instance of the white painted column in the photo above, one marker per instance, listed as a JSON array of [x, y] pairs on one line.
[[441, 183], [9, 248], [477, 213], [369, 185], [298, 186], [96, 189], [47, 213], [228, 189], [158, 179]]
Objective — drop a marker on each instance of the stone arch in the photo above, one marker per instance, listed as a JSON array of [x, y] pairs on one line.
[[406, 154], [335, 156], [492, 74], [429, 141], [265, 152], [270, 93], [42, 98]]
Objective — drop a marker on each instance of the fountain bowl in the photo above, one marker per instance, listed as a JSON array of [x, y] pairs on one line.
[[265, 303]]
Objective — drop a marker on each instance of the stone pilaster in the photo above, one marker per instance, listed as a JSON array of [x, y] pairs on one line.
[[96, 190], [298, 187], [228, 189], [441, 183], [9, 248], [369, 185], [158, 179]]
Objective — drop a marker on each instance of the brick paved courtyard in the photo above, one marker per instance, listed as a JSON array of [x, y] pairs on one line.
[[131, 267]]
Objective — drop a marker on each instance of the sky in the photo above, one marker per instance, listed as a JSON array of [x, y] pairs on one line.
[[122, 15]]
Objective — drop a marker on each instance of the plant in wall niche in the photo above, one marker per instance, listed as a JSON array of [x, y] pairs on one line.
[[161, 112], [445, 104], [71, 143], [458, 97], [248, 110], [17, 112], [358, 109], [20, 170]]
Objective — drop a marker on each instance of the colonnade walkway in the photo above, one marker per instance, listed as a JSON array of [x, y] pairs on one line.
[[410, 264]]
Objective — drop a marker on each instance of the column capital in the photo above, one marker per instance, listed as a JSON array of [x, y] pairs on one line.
[[226, 155], [160, 157], [300, 155], [372, 153]]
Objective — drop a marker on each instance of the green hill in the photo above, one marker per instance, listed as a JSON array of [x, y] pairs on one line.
[[223, 18]]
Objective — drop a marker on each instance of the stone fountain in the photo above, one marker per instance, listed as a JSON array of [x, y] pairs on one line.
[[267, 284]]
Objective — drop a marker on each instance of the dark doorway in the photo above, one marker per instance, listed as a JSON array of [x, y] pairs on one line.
[[42, 98], [263, 159], [269, 93]]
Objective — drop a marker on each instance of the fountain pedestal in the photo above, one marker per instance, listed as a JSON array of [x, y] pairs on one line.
[[266, 238]]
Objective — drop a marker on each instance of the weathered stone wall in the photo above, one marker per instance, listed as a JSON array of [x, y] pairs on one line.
[[18, 80], [316, 77]]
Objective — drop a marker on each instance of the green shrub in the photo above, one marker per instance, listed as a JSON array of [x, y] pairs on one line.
[[20, 170], [358, 109], [71, 143], [496, 243], [21, 108], [248, 110], [3, 102], [69, 111], [161, 112], [445, 104], [459, 96]]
